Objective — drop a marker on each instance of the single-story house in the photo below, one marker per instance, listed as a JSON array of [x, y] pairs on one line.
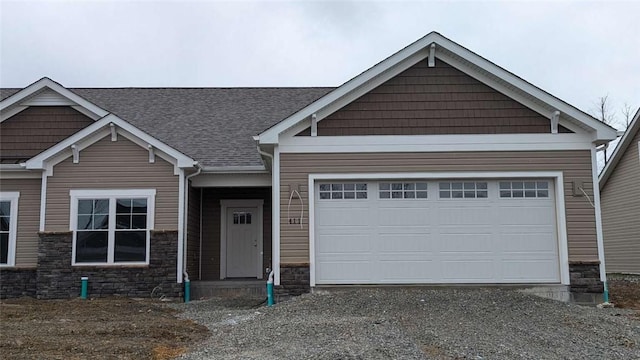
[[435, 166], [620, 198]]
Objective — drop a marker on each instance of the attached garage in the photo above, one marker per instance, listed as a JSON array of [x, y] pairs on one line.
[[416, 231]]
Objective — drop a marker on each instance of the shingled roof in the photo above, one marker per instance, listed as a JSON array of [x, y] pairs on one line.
[[214, 126]]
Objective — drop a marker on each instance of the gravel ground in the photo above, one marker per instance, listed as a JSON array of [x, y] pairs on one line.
[[405, 323]]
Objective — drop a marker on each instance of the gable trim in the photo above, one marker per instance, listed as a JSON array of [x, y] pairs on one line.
[[620, 150], [457, 56], [98, 130], [23, 99]]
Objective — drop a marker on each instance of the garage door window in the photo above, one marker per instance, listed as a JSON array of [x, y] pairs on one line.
[[463, 190], [403, 190], [526, 189], [343, 191]]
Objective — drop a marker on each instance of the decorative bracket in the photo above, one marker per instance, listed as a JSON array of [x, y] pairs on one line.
[[432, 55], [555, 119], [114, 133], [152, 154], [76, 153], [314, 125]]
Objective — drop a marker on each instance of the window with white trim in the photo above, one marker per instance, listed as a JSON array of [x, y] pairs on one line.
[[463, 189], [8, 227], [524, 189], [403, 190], [346, 191], [111, 227]]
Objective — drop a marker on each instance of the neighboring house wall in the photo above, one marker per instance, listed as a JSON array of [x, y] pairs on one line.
[[575, 165], [438, 100], [193, 233], [211, 225], [36, 129], [621, 213], [28, 219], [113, 165]]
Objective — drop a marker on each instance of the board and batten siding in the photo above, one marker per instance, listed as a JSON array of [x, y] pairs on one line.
[[575, 165], [620, 201], [28, 219], [112, 165], [37, 128], [436, 100]]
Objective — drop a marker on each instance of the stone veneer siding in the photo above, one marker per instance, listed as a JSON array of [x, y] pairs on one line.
[[294, 280], [15, 283], [57, 279]]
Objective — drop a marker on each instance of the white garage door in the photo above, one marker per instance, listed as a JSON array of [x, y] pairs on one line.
[[443, 231]]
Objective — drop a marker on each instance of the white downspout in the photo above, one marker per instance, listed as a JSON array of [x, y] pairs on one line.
[[186, 218], [275, 214]]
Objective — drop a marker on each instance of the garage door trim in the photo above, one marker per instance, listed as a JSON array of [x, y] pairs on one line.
[[554, 175]]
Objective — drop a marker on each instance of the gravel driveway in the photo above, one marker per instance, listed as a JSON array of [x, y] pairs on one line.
[[401, 323]]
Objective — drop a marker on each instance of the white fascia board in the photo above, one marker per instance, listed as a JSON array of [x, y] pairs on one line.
[[354, 87], [248, 169], [447, 50], [232, 180], [41, 84], [624, 143], [94, 133], [603, 131], [435, 143]]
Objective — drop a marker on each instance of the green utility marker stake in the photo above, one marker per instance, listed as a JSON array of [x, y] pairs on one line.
[[84, 288]]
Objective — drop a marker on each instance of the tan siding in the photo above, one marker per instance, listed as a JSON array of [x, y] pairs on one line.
[[37, 128], [193, 233], [28, 219], [211, 226], [575, 165], [621, 213], [113, 165], [427, 101]]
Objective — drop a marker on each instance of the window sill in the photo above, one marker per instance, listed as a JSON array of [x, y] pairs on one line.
[[111, 266]]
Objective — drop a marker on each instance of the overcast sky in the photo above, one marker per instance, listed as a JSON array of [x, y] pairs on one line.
[[578, 51]]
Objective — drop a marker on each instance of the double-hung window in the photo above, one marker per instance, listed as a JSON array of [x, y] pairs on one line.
[[111, 227], [8, 227]]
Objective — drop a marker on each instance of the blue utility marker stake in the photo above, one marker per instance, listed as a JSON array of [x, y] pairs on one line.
[[84, 287]]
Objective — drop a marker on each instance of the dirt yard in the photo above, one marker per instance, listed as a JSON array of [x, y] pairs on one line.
[[625, 291], [94, 329], [120, 328]]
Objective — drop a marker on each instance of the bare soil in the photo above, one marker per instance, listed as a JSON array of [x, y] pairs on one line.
[[115, 328], [625, 293]]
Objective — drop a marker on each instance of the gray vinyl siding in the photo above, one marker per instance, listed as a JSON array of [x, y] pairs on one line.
[[621, 213], [112, 165], [28, 219], [575, 165]]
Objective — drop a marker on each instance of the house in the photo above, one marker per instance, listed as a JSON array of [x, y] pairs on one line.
[[620, 199], [435, 166]]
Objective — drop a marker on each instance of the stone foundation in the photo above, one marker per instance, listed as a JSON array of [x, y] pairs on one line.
[[586, 286], [15, 283], [56, 278], [294, 280]]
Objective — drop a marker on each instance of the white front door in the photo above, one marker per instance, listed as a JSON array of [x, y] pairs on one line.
[[242, 241]]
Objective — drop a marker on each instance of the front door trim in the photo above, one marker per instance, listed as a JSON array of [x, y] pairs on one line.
[[224, 205]]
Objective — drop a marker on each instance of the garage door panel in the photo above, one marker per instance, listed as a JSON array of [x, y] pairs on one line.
[[338, 243], [527, 242], [466, 242], [433, 240], [351, 272], [405, 243], [406, 271], [464, 214], [467, 271], [404, 217], [545, 270], [347, 216]]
